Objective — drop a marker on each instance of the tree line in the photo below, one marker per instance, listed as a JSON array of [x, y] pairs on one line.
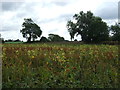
[[92, 29], [32, 31]]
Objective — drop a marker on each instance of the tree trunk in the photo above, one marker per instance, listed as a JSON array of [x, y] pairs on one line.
[[33, 39], [29, 38]]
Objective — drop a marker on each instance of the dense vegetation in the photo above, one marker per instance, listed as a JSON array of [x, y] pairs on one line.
[[60, 66], [58, 63], [92, 29]]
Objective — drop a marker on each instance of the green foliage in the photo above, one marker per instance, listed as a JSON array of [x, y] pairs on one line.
[[90, 27], [60, 66], [44, 39], [30, 30], [55, 38], [116, 32], [1, 39], [71, 29]]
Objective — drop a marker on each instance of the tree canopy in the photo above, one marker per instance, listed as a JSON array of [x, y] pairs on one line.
[[90, 27], [30, 30], [44, 39], [55, 38], [115, 29]]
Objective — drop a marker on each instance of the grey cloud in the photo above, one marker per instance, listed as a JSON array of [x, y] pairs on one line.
[[108, 10], [3, 29], [20, 14], [26, 11], [22, 10], [51, 31], [66, 16], [59, 3], [6, 28], [23, 14], [9, 6], [61, 18], [12, 25]]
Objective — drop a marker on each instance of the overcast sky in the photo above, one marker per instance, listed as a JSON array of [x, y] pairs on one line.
[[51, 15]]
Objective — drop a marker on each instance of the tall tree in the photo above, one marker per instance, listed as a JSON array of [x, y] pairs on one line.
[[90, 27], [71, 29], [116, 32], [30, 30]]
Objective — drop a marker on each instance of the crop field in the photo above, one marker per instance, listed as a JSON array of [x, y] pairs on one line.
[[60, 66]]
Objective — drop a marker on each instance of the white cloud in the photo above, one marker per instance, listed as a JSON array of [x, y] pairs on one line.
[[111, 22], [50, 15]]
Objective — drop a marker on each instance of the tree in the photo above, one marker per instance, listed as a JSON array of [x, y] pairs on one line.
[[44, 39], [17, 40], [115, 29], [90, 27], [30, 30], [55, 38], [1, 39], [71, 29]]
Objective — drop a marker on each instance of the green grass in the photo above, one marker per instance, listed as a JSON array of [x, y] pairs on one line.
[[60, 66], [13, 42]]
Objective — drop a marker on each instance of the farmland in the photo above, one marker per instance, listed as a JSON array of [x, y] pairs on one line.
[[59, 66]]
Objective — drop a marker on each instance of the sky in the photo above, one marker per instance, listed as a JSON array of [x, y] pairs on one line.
[[51, 15]]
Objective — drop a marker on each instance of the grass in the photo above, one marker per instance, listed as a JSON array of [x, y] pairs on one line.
[[13, 42], [60, 66]]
